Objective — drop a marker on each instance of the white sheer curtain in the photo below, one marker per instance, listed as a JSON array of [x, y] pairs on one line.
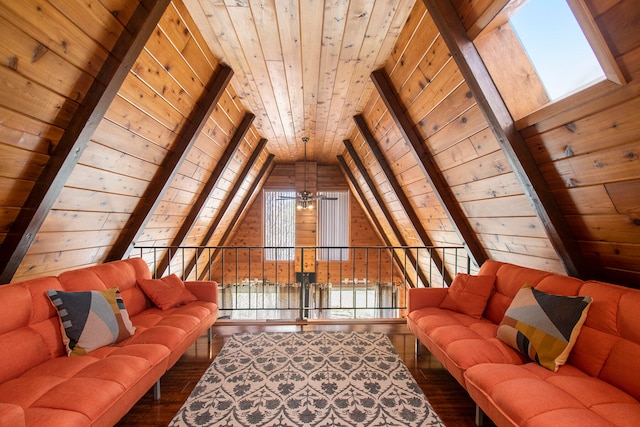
[[280, 224], [333, 226]]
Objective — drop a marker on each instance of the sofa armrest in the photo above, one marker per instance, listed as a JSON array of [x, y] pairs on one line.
[[204, 290], [425, 297], [11, 415]]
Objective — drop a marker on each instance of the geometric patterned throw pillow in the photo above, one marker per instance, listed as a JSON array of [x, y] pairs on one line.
[[543, 326], [91, 319]]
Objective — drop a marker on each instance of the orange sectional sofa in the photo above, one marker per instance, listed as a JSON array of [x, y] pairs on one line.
[[40, 385], [599, 385]]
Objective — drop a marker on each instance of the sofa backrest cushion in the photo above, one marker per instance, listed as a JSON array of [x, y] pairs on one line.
[[509, 279], [608, 346], [29, 328], [81, 280], [126, 275], [122, 274]]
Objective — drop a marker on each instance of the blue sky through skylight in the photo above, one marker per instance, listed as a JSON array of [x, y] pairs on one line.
[[556, 46]]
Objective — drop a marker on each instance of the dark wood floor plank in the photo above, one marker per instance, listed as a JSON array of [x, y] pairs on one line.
[[450, 401]]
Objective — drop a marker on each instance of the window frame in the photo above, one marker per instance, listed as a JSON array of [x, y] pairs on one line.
[[489, 38]]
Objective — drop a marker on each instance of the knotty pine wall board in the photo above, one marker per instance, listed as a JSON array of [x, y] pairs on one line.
[[446, 117], [152, 112]]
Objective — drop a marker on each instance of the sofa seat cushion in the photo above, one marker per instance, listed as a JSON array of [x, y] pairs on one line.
[[82, 388], [12, 415], [530, 395], [88, 396], [460, 341], [168, 336], [188, 317]]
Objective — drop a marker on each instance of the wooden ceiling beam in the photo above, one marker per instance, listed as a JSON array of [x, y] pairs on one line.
[[511, 141], [210, 185], [400, 195], [77, 135], [372, 215], [264, 172], [165, 175], [385, 210], [227, 201], [440, 187]]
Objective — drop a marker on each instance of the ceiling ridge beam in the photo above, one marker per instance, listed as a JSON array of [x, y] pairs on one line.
[[440, 187], [76, 136], [372, 216], [197, 207], [236, 216], [511, 141], [169, 169], [401, 195], [383, 207]]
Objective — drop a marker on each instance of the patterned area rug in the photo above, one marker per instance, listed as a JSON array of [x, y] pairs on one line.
[[307, 379]]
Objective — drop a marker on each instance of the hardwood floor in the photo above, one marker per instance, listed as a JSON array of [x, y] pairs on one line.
[[450, 401]]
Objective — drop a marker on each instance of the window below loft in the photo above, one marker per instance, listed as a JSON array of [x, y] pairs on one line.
[[280, 225], [543, 51], [333, 226]]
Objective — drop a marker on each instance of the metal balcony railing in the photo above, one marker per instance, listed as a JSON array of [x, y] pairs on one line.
[[311, 282]]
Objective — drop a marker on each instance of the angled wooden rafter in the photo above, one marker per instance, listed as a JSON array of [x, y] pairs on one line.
[[511, 141], [264, 172], [228, 199], [77, 134], [431, 171], [400, 195], [372, 215], [383, 207], [210, 185], [165, 175]]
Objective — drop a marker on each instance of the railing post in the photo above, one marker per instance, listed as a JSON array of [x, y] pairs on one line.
[[301, 283]]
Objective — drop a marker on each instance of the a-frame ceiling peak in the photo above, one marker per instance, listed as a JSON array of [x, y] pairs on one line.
[[302, 66]]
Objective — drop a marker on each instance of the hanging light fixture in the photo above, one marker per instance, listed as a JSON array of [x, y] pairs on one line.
[[304, 198]]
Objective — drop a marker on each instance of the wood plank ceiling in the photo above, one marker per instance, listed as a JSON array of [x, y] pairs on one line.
[[302, 67]]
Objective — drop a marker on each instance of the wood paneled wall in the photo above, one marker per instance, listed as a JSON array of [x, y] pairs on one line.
[[588, 149], [586, 146], [249, 232], [133, 141]]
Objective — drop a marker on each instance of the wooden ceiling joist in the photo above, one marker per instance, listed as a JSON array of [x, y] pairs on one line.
[[374, 218], [76, 137], [210, 185], [384, 208], [513, 145], [168, 171], [440, 187], [264, 172], [400, 195]]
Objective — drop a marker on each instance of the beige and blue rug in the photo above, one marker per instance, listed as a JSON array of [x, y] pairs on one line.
[[307, 379]]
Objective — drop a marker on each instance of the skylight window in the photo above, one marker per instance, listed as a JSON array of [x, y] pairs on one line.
[[557, 47]]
